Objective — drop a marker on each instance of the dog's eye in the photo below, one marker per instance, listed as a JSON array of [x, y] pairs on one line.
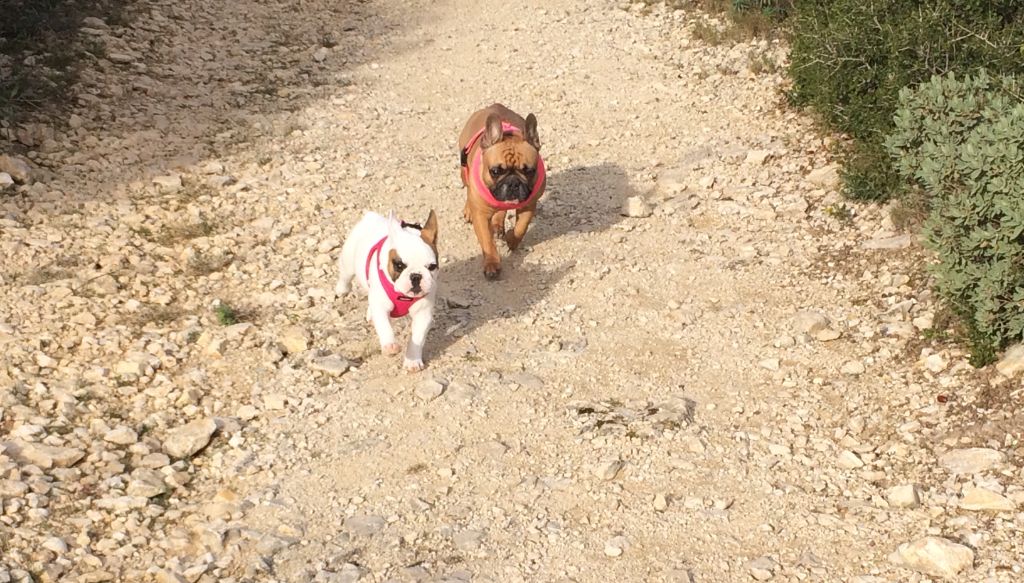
[[528, 170], [496, 171], [432, 267], [399, 266]]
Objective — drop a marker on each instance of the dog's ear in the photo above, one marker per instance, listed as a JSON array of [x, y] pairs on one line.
[[429, 230], [493, 132], [532, 137], [394, 225]]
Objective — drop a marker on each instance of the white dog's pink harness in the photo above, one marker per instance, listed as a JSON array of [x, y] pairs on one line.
[[400, 304], [474, 170]]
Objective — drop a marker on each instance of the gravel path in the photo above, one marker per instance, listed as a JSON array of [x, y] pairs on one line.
[[737, 382]]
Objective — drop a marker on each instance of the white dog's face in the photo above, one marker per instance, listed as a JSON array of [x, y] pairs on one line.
[[412, 261]]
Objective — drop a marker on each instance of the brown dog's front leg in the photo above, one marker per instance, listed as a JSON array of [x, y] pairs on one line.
[[523, 217], [482, 228]]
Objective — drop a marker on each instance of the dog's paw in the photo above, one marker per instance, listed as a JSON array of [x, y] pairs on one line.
[[391, 349], [413, 365], [342, 290], [512, 241], [492, 271]]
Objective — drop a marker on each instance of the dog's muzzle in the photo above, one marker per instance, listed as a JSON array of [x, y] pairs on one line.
[[511, 188]]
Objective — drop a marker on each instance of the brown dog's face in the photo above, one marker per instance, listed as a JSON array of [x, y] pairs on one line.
[[509, 165]]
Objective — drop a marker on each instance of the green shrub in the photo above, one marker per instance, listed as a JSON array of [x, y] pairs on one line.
[[962, 141], [850, 58]]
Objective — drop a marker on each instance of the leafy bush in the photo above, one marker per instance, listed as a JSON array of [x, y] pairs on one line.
[[850, 58], [962, 141]]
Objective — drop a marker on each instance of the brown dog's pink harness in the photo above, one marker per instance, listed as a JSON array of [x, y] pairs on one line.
[[472, 168]]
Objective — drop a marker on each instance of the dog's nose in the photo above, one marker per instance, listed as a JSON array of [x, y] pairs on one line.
[[415, 279]]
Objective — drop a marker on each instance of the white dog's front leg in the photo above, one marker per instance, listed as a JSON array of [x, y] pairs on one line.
[[380, 315], [421, 321]]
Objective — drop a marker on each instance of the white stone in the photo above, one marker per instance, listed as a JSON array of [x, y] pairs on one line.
[[1012, 362], [121, 435], [809, 322], [903, 496], [934, 556], [849, 460], [146, 483], [333, 365], [168, 184], [364, 525], [429, 390], [43, 456], [757, 157], [935, 363], [984, 499], [762, 568], [275, 401], [636, 207], [853, 368], [825, 177], [973, 460], [294, 339], [56, 545], [187, 440], [888, 243], [609, 469], [615, 546]]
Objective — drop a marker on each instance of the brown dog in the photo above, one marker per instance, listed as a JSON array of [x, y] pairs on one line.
[[502, 171]]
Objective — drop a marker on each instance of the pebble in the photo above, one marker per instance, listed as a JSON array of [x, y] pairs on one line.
[[762, 568], [146, 483], [275, 401], [809, 322], [429, 390], [849, 460], [6, 181], [636, 207], [1012, 362], [888, 243], [333, 365], [935, 363], [294, 339], [187, 440], [44, 456], [825, 177], [121, 435], [615, 546], [55, 545], [904, 496], [364, 524], [853, 368], [16, 168], [660, 502], [757, 157], [984, 499], [972, 460], [468, 540], [608, 470], [935, 556], [168, 184]]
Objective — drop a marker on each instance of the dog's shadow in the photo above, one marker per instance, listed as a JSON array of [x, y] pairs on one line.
[[582, 199]]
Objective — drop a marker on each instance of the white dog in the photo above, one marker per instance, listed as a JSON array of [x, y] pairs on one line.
[[397, 264]]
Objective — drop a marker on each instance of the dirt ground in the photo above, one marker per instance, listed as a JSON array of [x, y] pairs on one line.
[[746, 383]]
